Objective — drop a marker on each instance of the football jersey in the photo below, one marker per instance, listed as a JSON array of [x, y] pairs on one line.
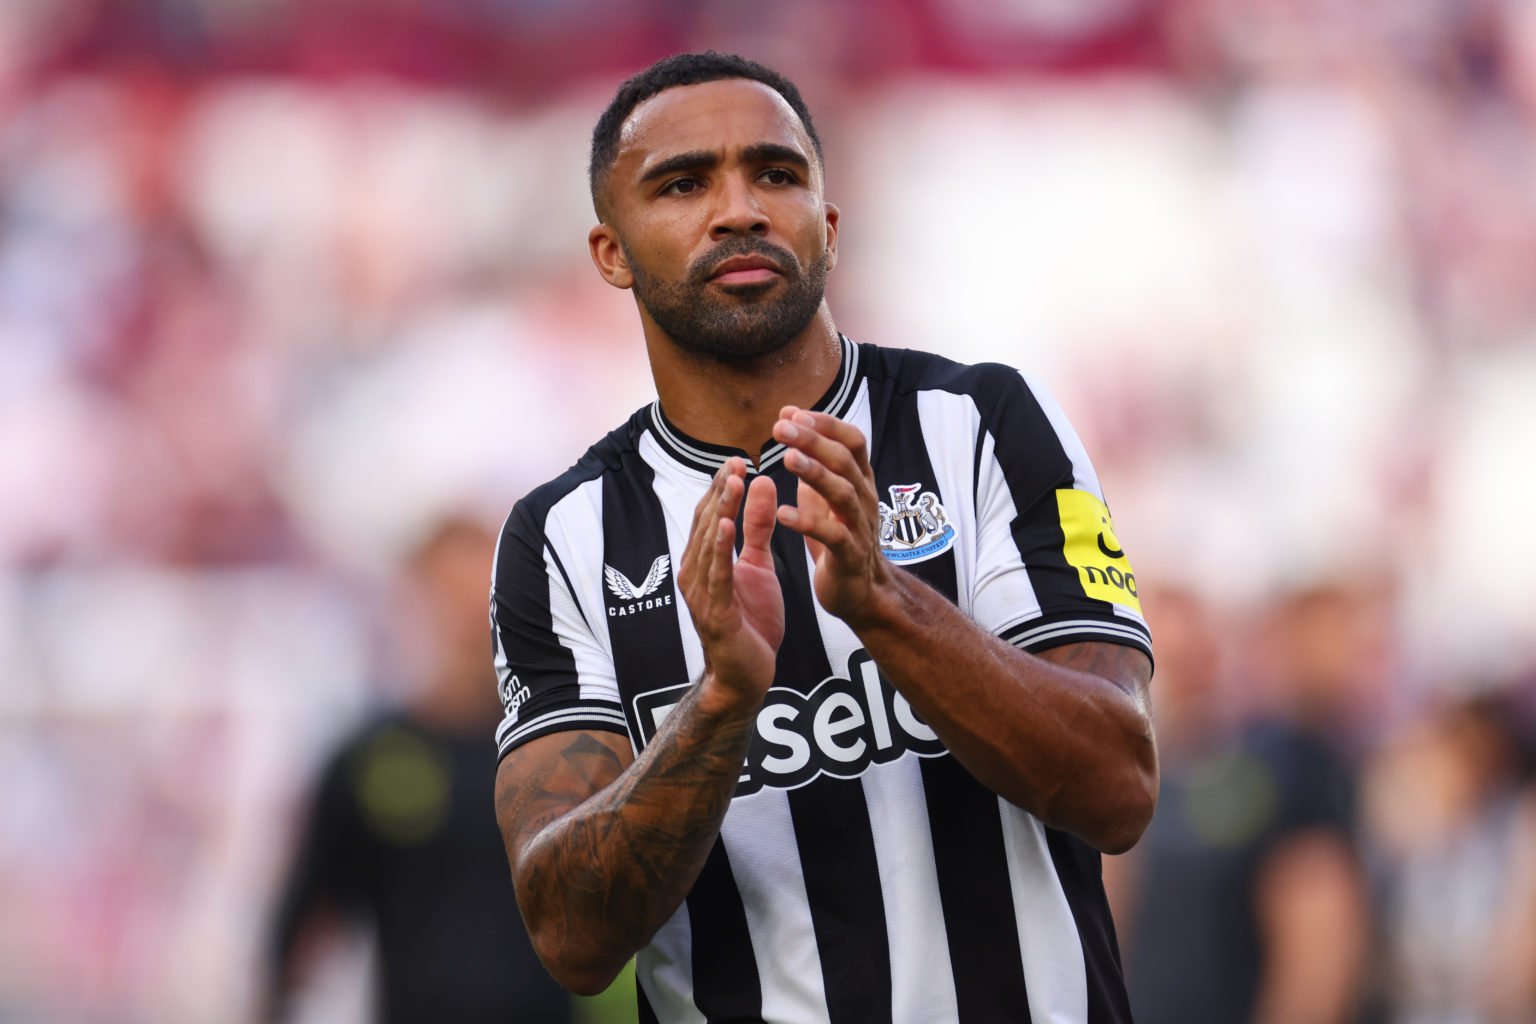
[[861, 873]]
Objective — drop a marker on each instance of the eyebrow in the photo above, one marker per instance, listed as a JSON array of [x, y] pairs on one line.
[[703, 159], [697, 160], [775, 153]]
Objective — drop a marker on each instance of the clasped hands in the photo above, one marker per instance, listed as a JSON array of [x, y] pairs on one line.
[[735, 600]]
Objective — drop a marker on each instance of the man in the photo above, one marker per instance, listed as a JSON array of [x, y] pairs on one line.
[[825, 677], [1245, 901], [398, 841]]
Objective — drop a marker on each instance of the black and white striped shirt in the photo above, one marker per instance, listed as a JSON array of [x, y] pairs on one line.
[[861, 873]]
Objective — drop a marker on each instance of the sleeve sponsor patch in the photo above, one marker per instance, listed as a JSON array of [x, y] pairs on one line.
[[1093, 550]]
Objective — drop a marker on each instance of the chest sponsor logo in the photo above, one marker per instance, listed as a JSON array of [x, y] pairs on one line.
[[840, 728], [914, 526], [1092, 548], [634, 598]]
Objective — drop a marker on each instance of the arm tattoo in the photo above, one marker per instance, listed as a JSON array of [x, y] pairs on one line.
[[1126, 667], [603, 855]]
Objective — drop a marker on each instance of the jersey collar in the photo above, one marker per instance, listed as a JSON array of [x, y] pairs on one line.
[[707, 458]]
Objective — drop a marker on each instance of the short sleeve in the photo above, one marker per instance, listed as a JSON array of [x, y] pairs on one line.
[[552, 673], [1050, 569]]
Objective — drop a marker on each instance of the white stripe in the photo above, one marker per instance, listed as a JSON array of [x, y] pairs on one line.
[[677, 442], [1053, 630], [1002, 593], [759, 838], [1055, 974], [1125, 613], [664, 970], [949, 424], [594, 716], [1140, 642], [1097, 624], [922, 976], [574, 528]]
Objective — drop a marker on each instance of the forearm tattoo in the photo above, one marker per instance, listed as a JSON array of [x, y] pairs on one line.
[[602, 873]]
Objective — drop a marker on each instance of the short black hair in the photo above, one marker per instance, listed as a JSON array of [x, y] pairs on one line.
[[669, 73]]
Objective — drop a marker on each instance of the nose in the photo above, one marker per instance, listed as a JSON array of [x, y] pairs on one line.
[[738, 212]]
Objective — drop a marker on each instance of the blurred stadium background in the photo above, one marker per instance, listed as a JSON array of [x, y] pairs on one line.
[[283, 282]]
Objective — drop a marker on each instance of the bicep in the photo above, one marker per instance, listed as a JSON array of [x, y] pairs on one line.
[[1128, 668], [546, 778]]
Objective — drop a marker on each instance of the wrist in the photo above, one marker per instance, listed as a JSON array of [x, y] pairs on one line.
[[886, 608], [723, 702]]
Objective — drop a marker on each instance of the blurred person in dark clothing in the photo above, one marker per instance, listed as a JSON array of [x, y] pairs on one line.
[[401, 838], [1244, 900]]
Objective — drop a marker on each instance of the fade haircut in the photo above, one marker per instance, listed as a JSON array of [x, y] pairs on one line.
[[669, 73]]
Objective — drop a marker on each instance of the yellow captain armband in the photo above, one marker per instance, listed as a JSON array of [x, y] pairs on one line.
[[1092, 549]]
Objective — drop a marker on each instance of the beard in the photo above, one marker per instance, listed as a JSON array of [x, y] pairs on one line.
[[742, 325]]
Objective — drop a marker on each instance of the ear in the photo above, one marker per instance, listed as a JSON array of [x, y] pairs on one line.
[[832, 217], [608, 256]]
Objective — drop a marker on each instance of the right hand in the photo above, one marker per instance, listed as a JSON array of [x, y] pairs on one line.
[[735, 601]]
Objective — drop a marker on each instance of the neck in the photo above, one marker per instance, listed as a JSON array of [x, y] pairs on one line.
[[736, 404]]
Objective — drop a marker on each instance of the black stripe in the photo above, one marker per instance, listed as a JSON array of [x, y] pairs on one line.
[[726, 987], [981, 444], [967, 830], [1035, 466], [1025, 444], [648, 655], [524, 625], [831, 819], [1078, 867]]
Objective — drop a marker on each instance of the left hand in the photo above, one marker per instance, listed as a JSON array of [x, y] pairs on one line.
[[837, 511]]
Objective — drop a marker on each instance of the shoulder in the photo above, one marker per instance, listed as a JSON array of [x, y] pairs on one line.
[[914, 370], [910, 370]]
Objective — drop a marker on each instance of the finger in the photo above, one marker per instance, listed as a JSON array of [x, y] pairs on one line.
[[715, 560], [721, 593], [705, 519], [828, 531], [842, 495], [813, 455], [732, 488], [696, 553], [793, 422], [757, 523]]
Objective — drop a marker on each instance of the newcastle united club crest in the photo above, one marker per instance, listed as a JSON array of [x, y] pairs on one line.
[[913, 527]]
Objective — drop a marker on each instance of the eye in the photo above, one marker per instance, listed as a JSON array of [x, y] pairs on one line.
[[680, 186], [778, 176]]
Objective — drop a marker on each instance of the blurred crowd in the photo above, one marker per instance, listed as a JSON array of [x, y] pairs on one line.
[[286, 284]]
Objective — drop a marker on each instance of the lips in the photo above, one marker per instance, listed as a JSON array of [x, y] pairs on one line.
[[751, 269]]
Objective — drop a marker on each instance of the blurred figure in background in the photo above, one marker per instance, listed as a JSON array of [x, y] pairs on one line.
[[1454, 843], [401, 835], [1243, 901]]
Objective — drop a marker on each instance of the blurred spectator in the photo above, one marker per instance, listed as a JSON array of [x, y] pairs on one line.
[[1454, 843], [1243, 901], [401, 836]]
